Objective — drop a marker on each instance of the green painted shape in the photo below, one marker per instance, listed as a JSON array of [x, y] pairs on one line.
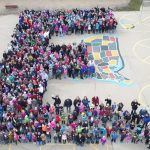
[[102, 54], [96, 44]]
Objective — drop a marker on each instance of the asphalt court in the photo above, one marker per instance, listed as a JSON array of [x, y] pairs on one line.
[[139, 50], [134, 45], [135, 18], [58, 146], [107, 146]]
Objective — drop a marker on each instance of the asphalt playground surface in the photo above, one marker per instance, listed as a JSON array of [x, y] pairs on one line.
[[108, 146], [134, 45]]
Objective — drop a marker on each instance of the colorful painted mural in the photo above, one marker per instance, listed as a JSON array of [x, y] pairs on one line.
[[104, 51]]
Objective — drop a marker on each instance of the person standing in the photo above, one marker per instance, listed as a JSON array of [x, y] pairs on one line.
[[113, 136], [68, 104], [95, 101], [57, 102], [108, 101], [76, 103], [85, 102], [120, 106], [134, 105], [64, 138]]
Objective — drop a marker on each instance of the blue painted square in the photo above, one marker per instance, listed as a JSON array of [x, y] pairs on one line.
[[97, 62], [106, 38], [97, 41], [112, 46], [105, 59], [96, 49], [104, 48]]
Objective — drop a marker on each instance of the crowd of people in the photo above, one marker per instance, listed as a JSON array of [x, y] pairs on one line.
[[30, 62], [81, 121], [96, 20], [70, 61]]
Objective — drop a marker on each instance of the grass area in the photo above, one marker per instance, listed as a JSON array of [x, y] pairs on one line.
[[134, 5]]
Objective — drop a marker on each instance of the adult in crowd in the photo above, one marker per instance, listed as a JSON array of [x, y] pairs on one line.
[[24, 72], [134, 105], [92, 124], [69, 61], [108, 101], [68, 104], [95, 101], [57, 102]]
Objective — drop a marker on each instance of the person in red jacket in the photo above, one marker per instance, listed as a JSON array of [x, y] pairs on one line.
[[109, 130], [95, 101], [57, 119]]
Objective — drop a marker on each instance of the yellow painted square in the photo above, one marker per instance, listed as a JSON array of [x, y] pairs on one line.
[[106, 42], [96, 56], [98, 37], [107, 70], [112, 62], [114, 53], [90, 39], [96, 68]]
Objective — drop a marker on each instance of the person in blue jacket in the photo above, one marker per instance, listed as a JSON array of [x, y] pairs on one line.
[[1, 113], [85, 102], [113, 136], [146, 119]]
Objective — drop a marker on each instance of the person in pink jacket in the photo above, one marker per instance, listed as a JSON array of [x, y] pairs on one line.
[[103, 140]]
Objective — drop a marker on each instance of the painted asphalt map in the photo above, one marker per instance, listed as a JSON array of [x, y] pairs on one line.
[[104, 50]]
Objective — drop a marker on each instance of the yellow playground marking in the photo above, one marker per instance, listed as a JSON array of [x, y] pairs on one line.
[[141, 92], [9, 147], [73, 146], [114, 53], [107, 70], [98, 146], [147, 58], [96, 56], [90, 39], [112, 62], [104, 42], [135, 53], [129, 26]]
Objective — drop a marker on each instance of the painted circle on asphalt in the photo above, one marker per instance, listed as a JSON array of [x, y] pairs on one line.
[[130, 21], [141, 50], [144, 94]]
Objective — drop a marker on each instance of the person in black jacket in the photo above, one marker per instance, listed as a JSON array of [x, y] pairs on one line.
[[57, 102], [148, 142], [76, 103], [108, 101], [134, 105], [68, 104], [120, 106], [80, 139]]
